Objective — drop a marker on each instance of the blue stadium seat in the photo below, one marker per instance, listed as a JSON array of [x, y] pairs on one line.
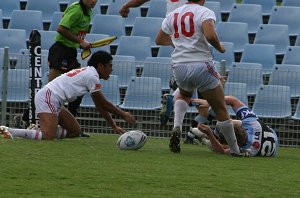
[[157, 8], [234, 32], [260, 53], [228, 56], [291, 3], [45, 6], [291, 55], [273, 34], [112, 25], [143, 93], [133, 14], [165, 51], [105, 2], [286, 15], [148, 27], [159, 67], [226, 6], [8, 6], [95, 37], [267, 5], [27, 20], [110, 90], [56, 17], [253, 78], [238, 90], [15, 39], [286, 75], [247, 13], [247, 65], [114, 7], [23, 59], [124, 67], [47, 38], [273, 101], [17, 85], [137, 46], [216, 7], [296, 115]]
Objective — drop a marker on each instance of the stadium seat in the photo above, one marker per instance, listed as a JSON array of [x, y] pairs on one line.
[[226, 6], [15, 39], [112, 25], [296, 115], [247, 65], [237, 90], [56, 17], [17, 85], [273, 34], [157, 8], [228, 56], [291, 3], [247, 13], [133, 14], [45, 6], [267, 5], [148, 27], [286, 15], [165, 51], [159, 67], [23, 59], [137, 46], [297, 42], [105, 2], [124, 67], [8, 6], [1, 57], [291, 55], [286, 75], [239, 37], [97, 8], [1, 20], [114, 7], [260, 53], [71, 1], [95, 37], [143, 93], [47, 38], [253, 78], [216, 7], [27, 20], [272, 101], [110, 90]]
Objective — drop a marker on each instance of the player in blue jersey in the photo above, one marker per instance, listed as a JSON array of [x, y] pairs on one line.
[[254, 137]]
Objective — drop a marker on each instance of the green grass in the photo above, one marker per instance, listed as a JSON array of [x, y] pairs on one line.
[[95, 167]]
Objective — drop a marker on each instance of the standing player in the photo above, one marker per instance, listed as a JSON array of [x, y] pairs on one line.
[[253, 136], [66, 88], [171, 5], [190, 28]]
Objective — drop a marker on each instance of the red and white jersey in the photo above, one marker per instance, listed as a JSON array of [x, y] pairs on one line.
[[77, 82], [184, 24], [173, 4]]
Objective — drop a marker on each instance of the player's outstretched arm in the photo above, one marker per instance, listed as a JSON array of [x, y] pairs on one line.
[[212, 36], [124, 11]]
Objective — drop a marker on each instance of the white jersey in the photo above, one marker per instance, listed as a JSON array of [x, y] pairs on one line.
[[77, 82], [173, 4], [184, 24]]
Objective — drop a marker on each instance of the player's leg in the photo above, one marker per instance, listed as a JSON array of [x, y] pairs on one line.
[[68, 123], [215, 98]]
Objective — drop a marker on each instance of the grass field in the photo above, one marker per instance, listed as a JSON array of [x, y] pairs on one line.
[[95, 167]]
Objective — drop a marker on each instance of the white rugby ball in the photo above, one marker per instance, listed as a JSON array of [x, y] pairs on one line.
[[132, 140]]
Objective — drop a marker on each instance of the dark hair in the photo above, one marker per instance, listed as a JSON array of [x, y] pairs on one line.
[[100, 56], [84, 8]]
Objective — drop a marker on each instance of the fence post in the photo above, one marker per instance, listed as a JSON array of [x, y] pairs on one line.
[[4, 85]]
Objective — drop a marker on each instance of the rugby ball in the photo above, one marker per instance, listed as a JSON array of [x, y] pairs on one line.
[[132, 140]]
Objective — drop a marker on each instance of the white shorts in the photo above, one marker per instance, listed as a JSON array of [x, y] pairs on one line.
[[202, 76], [46, 102]]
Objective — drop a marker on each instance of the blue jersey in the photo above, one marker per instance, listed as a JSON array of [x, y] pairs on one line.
[[262, 140]]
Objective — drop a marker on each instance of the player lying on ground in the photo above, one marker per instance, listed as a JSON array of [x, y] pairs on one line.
[[253, 136], [66, 88]]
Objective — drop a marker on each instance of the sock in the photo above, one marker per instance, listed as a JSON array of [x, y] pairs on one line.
[[180, 108], [226, 128], [60, 132], [26, 133]]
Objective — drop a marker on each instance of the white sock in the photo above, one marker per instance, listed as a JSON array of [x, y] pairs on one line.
[[60, 132], [26, 133], [226, 128], [180, 108]]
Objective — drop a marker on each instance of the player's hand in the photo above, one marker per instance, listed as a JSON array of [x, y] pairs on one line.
[[222, 48], [124, 11], [118, 130], [85, 44], [223, 80], [205, 129], [201, 102], [129, 118]]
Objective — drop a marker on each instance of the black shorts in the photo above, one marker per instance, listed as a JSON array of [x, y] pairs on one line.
[[62, 58]]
